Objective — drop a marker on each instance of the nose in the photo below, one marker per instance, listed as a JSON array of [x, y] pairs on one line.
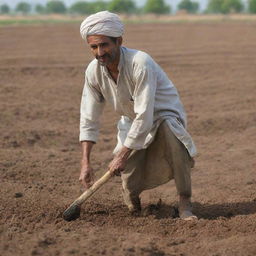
[[100, 51]]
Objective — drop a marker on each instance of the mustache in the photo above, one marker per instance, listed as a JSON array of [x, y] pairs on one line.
[[103, 56]]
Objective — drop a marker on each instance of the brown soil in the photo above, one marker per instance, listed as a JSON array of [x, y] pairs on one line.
[[41, 70]]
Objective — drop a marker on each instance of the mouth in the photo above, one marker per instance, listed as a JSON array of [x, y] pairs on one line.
[[102, 58]]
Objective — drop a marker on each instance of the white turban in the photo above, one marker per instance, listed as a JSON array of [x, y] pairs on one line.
[[102, 23]]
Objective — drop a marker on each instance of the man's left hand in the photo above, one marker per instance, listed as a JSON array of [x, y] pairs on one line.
[[118, 164]]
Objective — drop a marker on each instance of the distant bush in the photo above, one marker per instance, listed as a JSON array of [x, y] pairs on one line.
[[4, 9], [82, 7], [252, 6], [224, 6], [231, 6], [122, 6], [99, 6], [23, 8], [56, 6], [189, 6], [157, 7], [214, 6], [40, 9]]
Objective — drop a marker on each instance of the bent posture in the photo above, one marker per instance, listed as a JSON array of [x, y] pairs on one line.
[[153, 144]]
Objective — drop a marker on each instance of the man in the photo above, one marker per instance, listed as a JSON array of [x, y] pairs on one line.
[[153, 146]]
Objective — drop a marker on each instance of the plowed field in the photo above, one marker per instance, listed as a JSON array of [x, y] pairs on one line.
[[41, 80]]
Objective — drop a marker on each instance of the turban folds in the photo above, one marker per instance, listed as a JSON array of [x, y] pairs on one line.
[[102, 23]]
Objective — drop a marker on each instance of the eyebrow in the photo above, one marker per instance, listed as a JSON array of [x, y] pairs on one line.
[[100, 44]]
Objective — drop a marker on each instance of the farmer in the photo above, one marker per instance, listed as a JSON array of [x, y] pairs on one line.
[[153, 144]]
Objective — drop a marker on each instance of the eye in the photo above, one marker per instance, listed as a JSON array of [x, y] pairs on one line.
[[104, 44], [93, 47]]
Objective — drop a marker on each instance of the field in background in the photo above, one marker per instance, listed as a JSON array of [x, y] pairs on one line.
[[37, 19], [42, 73]]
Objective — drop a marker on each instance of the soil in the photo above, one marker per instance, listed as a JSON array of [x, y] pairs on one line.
[[42, 71]]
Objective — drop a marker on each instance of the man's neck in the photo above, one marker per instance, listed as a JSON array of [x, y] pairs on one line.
[[113, 67]]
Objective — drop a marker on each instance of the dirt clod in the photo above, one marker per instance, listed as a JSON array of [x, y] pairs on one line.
[[18, 195]]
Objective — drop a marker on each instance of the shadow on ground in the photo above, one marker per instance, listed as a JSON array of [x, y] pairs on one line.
[[227, 210], [204, 211]]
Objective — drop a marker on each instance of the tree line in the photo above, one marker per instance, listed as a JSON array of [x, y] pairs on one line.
[[129, 7]]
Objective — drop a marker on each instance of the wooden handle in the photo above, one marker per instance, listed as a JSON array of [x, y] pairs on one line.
[[90, 191]]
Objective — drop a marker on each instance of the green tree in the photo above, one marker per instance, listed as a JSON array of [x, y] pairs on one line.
[[99, 6], [40, 9], [189, 6], [214, 6], [82, 7], [224, 6], [122, 6], [56, 6], [4, 9], [157, 7], [23, 8], [252, 6], [232, 6]]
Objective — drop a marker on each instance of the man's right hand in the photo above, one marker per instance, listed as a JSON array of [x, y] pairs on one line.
[[86, 176]]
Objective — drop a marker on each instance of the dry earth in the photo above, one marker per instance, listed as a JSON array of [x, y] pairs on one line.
[[41, 69]]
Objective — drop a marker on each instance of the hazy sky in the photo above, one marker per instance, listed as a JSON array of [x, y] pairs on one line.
[[173, 3]]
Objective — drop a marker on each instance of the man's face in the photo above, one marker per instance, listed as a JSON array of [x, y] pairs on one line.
[[105, 50]]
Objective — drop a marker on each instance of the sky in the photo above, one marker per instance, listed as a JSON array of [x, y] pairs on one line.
[[173, 3]]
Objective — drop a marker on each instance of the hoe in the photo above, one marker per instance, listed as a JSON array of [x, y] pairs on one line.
[[73, 211]]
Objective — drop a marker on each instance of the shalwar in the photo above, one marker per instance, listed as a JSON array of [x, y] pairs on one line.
[[165, 158]]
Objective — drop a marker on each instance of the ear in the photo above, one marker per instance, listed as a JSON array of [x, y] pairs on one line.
[[120, 40]]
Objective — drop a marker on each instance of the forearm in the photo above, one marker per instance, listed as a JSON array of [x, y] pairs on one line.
[[86, 151], [124, 153], [86, 173]]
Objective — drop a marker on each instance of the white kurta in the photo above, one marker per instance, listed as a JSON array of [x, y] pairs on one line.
[[143, 96]]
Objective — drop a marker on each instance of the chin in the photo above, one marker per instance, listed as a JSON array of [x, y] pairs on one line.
[[102, 63]]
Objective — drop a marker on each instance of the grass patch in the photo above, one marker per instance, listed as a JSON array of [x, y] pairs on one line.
[[34, 21], [59, 19]]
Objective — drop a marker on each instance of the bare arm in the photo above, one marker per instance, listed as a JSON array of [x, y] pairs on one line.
[[86, 151], [86, 174]]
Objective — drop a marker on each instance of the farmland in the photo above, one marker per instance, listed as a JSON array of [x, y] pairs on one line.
[[42, 67]]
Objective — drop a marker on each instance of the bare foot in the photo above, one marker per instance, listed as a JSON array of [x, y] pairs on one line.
[[132, 202], [187, 215], [185, 209]]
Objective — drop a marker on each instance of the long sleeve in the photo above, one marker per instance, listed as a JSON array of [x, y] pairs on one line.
[[144, 101], [92, 105]]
